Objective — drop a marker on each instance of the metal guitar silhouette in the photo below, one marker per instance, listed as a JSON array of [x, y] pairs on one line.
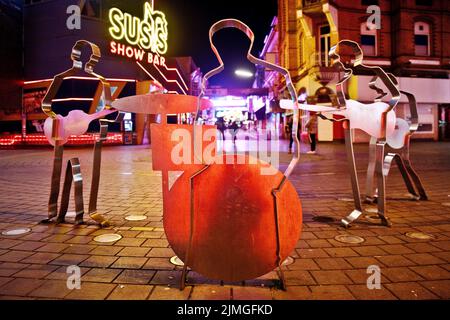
[[377, 119]]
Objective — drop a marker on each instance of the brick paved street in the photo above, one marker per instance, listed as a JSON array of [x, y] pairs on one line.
[[33, 266]]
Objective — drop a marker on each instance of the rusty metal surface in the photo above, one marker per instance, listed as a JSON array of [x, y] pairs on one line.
[[172, 142], [226, 221], [237, 264], [234, 234], [158, 103]]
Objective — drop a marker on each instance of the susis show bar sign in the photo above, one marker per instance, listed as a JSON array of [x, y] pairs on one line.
[[135, 53], [139, 38]]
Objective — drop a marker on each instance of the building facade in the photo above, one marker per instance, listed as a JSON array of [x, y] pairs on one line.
[[44, 44], [409, 38], [11, 55]]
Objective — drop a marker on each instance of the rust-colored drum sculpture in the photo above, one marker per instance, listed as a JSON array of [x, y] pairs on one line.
[[233, 233], [234, 228], [224, 216]]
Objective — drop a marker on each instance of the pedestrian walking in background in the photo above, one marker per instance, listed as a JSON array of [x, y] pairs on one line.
[[290, 124], [311, 128]]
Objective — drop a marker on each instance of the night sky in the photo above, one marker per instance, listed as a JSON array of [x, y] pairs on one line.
[[189, 23]]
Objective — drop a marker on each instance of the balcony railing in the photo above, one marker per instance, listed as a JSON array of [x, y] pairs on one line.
[[322, 70]]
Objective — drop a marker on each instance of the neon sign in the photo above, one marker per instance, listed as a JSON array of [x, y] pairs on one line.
[[137, 54], [150, 33]]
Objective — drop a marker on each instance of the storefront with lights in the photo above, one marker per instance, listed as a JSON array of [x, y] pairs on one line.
[[132, 65]]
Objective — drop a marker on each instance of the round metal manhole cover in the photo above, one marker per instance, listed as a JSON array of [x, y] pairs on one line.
[[108, 237], [288, 261], [136, 218], [176, 261], [16, 232], [348, 238], [323, 219], [346, 199], [419, 235]]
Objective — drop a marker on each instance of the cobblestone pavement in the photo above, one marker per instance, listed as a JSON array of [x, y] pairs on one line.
[[34, 265]]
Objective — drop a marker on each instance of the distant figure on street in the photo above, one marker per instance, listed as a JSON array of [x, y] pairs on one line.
[[311, 128], [289, 132]]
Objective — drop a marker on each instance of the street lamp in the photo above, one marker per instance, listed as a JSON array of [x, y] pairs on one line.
[[243, 73]]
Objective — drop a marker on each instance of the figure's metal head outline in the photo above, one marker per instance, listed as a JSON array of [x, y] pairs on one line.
[[77, 67], [357, 64], [234, 23]]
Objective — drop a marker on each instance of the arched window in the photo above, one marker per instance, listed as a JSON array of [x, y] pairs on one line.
[[368, 39], [422, 39]]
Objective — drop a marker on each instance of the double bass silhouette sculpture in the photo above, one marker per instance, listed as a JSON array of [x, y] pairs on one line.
[[222, 216]]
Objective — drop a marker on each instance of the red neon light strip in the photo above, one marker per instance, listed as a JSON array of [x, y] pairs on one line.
[[150, 75], [176, 70], [112, 138], [73, 99], [173, 81], [167, 80], [146, 71], [80, 78]]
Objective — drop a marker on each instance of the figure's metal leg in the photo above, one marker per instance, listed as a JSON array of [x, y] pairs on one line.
[[412, 173], [279, 261], [370, 192], [354, 177], [73, 174], [96, 177], [406, 177], [381, 182], [416, 179], [55, 182]]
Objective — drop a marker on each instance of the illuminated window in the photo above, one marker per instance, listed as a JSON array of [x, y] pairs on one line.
[[422, 39], [368, 40], [324, 45]]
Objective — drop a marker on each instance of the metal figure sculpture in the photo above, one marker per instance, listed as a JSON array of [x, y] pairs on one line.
[[222, 218], [58, 129], [398, 147], [377, 119]]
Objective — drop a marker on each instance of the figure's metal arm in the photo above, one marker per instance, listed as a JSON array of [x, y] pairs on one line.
[[358, 65], [414, 120]]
